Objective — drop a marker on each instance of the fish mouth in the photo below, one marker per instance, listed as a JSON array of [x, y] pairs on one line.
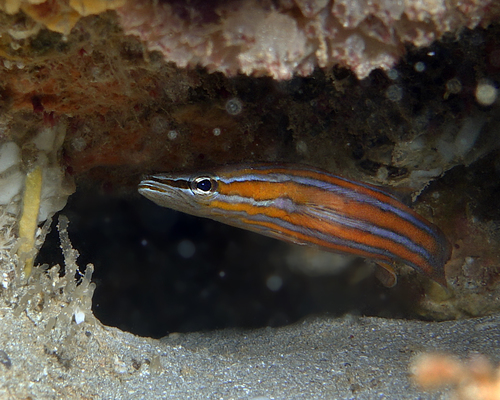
[[161, 183], [148, 186], [164, 180]]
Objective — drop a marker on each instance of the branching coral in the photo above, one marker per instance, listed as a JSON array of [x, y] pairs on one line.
[[46, 294], [54, 298]]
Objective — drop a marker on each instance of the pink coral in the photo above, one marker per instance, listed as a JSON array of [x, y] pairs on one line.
[[287, 37], [475, 380]]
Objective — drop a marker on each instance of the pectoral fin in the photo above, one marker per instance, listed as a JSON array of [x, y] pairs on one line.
[[385, 274]]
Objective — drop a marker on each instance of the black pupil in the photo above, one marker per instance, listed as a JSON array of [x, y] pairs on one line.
[[204, 185]]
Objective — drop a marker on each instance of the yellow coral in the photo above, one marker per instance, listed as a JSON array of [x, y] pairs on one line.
[[59, 15], [90, 7], [29, 218]]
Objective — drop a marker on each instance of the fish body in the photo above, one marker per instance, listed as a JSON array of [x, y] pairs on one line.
[[308, 206]]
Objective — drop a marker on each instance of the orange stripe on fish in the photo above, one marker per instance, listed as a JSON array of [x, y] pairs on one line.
[[309, 206]]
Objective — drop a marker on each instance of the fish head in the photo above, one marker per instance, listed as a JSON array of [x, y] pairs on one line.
[[189, 193]]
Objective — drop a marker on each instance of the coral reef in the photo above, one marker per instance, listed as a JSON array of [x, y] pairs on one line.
[[280, 38], [435, 111], [96, 106], [58, 15], [287, 37], [475, 380], [59, 299], [93, 100]]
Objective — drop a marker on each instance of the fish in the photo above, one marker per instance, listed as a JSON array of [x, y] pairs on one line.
[[309, 206]]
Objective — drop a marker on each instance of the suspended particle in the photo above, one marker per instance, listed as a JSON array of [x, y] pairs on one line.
[[172, 134], [216, 131], [186, 248], [419, 66], [486, 93], [274, 283], [453, 86], [301, 147], [392, 74], [234, 106], [159, 124], [394, 93], [78, 143]]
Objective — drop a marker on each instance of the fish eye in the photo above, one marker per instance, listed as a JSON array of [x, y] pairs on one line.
[[203, 185]]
